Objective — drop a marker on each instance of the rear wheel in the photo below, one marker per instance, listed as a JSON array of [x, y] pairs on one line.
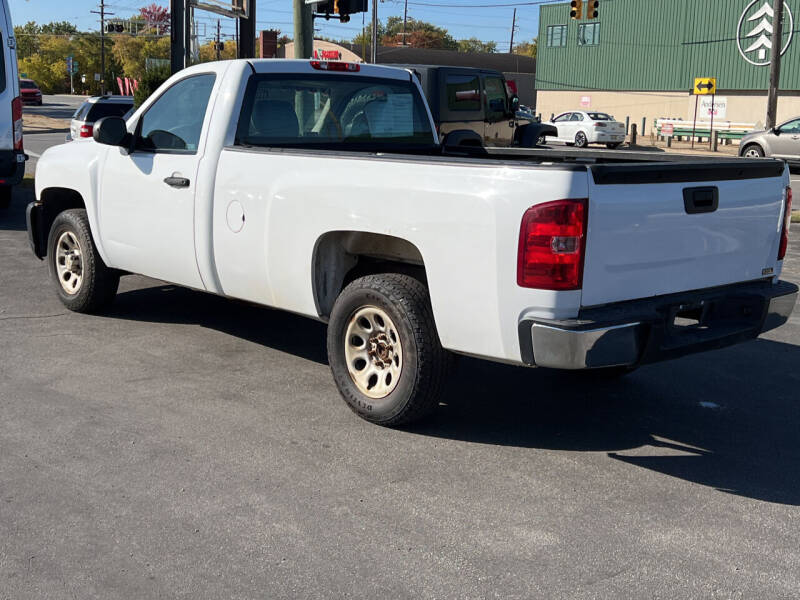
[[82, 280], [541, 140], [580, 140], [384, 350], [753, 151]]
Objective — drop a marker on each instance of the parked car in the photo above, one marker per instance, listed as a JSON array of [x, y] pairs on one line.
[[30, 92], [12, 155], [321, 188], [477, 99], [782, 141], [582, 128], [94, 109]]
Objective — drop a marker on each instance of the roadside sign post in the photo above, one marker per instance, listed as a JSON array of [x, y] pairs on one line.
[[70, 70], [711, 131], [703, 86]]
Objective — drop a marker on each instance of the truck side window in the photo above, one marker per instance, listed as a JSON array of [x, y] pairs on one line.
[[463, 92], [173, 123], [496, 99]]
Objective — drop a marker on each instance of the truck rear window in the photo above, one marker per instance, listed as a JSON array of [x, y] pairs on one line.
[[311, 110]]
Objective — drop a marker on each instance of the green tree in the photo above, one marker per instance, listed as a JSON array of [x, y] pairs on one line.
[[208, 53], [473, 44], [149, 83], [59, 28], [27, 39]]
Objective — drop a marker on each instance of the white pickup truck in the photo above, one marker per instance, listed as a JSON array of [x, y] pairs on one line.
[[322, 189]]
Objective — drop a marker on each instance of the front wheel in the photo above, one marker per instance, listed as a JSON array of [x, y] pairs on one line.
[[753, 151], [541, 140], [82, 280], [580, 140], [384, 350]]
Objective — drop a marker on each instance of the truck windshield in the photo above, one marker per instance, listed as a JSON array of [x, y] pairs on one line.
[[333, 111]]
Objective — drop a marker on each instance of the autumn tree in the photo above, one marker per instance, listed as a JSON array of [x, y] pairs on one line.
[[156, 17], [527, 48], [419, 34]]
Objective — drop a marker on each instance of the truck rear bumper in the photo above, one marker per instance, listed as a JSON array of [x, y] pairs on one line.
[[12, 167], [656, 329]]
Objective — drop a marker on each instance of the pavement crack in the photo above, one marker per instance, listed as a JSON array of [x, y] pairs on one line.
[[19, 317]]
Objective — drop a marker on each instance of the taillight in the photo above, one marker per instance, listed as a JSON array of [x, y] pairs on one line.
[[325, 65], [16, 117], [86, 131], [787, 219], [599, 124], [552, 245]]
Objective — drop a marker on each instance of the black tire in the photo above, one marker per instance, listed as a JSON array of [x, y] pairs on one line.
[[5, 197], [614, 145], [580, 140], [424, 362], [755, 149], [98, 285], [541, 140]]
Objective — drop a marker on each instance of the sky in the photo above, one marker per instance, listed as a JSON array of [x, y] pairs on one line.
[[488, 20]]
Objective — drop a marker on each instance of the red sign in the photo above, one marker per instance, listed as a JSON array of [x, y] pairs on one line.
[[327, 54], [668, 129]]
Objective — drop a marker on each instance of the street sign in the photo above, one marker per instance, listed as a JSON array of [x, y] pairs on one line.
[[668, 129], [704, 86], [586, 101], [97, 76]]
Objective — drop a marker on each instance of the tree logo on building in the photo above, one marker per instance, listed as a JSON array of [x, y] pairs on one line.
[[754, 36]]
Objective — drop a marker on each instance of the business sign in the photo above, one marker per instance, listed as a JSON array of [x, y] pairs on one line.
[[704, 86], [668, 129], [586, 101], [327, 55], [719, 109], [754, 35]]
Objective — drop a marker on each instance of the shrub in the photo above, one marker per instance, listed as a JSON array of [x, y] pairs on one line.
[[148, 84]]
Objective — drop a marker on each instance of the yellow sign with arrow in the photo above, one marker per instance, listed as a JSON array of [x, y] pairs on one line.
[[705, 86]]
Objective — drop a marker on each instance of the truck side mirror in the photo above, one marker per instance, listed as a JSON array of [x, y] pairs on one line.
[[111, 131], [513, 104]]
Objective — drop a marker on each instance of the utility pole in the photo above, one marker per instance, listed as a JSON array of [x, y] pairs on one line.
[[405, 20], [217, 44], [103, 14], [513, 27], [374, 52], [775, 63], [303, 29]]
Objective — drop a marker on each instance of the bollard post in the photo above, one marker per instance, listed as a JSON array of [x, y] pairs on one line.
[[633, 134], [714, 140], [644, 121], [627, 125], [669, 141]]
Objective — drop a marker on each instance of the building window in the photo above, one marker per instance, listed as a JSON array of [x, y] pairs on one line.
[[589, 34], [557, 35]]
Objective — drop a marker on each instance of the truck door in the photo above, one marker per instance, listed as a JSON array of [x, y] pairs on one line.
[[499, 126], [146, 196]]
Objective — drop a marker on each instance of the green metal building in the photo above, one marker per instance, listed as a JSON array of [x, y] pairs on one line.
[[640, 58]]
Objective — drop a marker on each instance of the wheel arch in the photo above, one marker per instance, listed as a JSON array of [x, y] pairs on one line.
[[52, 202], [759, 144], [340, 257]]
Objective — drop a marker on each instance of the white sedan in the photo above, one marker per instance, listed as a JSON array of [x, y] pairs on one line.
[[588, 127]]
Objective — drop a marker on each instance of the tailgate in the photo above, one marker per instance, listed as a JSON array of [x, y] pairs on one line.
[[656, 229]]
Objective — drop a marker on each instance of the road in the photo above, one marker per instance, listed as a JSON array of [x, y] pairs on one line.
[[185, 446]]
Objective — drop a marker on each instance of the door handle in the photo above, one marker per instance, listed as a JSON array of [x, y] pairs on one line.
[[177, 182]]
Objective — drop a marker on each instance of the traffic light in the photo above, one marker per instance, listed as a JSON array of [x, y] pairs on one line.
[[592, 9], [576, 9], [343, 8]]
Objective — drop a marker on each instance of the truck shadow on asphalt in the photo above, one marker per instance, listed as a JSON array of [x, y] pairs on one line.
[[727, 419], [13, 217]]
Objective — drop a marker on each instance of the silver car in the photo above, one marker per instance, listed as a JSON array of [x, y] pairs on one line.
[[96, 108], [781, 142]]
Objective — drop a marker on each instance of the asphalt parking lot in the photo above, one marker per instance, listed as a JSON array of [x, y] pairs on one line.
[[185, 446]]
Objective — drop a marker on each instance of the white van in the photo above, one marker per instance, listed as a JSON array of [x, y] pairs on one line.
[[12, 156]]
